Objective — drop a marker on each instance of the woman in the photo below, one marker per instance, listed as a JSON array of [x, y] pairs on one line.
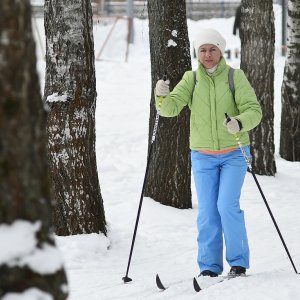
[[218, 165]]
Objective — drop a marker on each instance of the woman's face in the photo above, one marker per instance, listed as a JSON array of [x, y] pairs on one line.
[[209, 55]]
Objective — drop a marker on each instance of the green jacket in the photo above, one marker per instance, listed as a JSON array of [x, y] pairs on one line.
[[212, 98]]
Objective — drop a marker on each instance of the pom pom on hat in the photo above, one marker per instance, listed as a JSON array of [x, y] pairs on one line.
[[209, 36]]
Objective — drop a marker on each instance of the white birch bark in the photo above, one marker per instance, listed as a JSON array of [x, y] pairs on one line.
[[290, 114], [70, 95]]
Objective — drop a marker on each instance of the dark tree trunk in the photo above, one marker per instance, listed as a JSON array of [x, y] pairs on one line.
[[257, 60], [290, 114], [24, 183], [70, 93], [169, 177]]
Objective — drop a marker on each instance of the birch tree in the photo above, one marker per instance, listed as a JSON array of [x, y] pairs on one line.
[[169, 180], [257, 60], [70, 93], [30, 264], [290, 114]]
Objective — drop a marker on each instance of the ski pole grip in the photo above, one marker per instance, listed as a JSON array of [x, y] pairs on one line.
[[227, 117]]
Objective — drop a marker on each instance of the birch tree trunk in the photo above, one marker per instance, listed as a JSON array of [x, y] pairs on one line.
[[70, 93], [29, 259], [257, 61], [169, 180], [290, 114]]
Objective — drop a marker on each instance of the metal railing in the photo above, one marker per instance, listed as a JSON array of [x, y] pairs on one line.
[[195, 9], [207, 10]]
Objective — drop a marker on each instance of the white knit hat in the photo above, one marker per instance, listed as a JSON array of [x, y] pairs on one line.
[[209, 36]]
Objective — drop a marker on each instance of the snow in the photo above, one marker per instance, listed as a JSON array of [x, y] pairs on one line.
[[171, 43], [57, 98], [166, 237], [12, 247], [91, 245], [174, 33], [30, 294], [18, 248], [46, 260], [37, 2]]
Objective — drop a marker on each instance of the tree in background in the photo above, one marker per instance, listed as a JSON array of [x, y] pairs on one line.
[[257, 60], [29, 261], [290, 114], [169, 177], [70, 93]]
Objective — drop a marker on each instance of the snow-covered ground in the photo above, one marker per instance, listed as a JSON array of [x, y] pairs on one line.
[[166, 238]]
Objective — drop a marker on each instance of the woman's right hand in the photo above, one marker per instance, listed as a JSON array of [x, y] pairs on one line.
[[162, 88]]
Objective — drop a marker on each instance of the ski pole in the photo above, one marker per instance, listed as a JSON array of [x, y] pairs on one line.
[[126, 278], [262, 194]]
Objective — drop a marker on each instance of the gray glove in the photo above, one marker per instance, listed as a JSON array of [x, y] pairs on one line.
[[233, 126], [162, 88]]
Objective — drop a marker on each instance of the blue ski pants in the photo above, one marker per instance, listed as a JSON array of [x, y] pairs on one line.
[[218, 180]]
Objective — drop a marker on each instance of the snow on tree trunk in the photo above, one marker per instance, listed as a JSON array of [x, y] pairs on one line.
[[257, 60], [290, 114], [169, 177], [30, 264], [70, 94]]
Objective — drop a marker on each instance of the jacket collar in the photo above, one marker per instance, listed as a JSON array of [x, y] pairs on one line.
[[220, 68]]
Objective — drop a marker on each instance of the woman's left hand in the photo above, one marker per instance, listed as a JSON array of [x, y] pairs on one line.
[[233, 126]]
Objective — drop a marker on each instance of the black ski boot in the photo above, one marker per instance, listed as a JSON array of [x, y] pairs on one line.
[[208, 273], [237, 271]]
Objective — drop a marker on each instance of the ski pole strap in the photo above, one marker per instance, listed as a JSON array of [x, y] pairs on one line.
[[243, 152], [237, 138], [155, 126]]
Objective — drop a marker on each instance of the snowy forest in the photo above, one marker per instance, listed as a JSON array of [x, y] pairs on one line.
[[97, 193]]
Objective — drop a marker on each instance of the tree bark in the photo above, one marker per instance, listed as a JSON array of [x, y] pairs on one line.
[[24, 181], [169, 177], [70, 93], [290, 113], [257, 60]]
